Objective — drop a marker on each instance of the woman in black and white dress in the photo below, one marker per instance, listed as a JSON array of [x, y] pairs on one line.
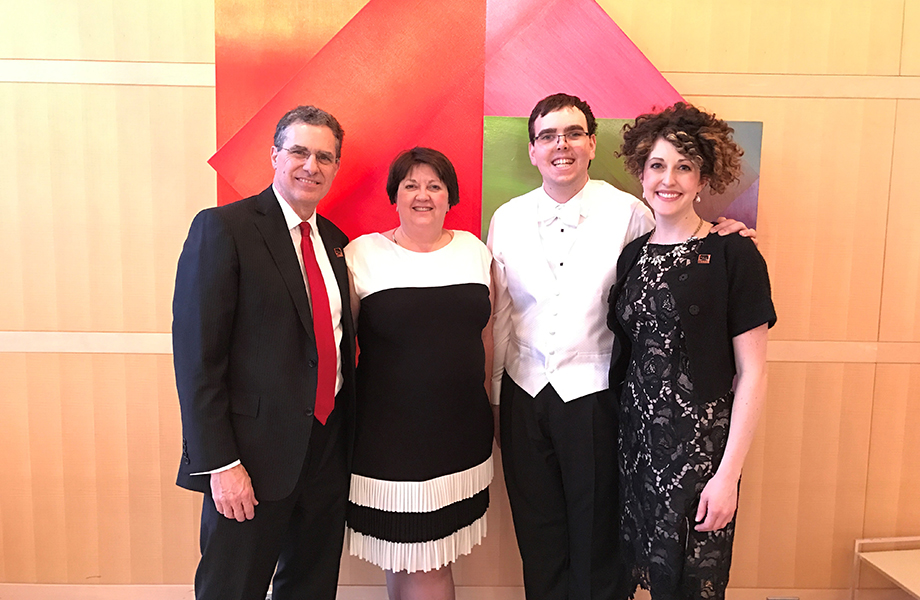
[[423, 442]]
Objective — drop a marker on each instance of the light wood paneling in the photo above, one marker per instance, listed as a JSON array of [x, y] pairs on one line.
[[822, 209], [803, 488], [107, 72], [893, 494], [140, 30], [86, 342], [847, 37], [17, 516], [893, 488], [899, 353], [900, 315], [91, 445], [98, 201], [794, 86], [841, 352], [910, 47]]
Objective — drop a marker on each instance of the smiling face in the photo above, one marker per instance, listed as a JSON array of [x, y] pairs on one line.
[[563, 164], [305, 166], [670, 181], [422, 199]]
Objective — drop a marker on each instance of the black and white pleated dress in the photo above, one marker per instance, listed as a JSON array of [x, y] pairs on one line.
[[422, 458]]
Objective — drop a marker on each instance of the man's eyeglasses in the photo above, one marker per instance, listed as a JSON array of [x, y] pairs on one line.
[[574, 137], [302, 154]]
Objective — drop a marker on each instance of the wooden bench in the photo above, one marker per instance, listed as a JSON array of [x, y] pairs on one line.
[[898, 559]]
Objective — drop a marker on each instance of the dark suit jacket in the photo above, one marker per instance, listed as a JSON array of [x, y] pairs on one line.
[[243, 346], [721, 296]]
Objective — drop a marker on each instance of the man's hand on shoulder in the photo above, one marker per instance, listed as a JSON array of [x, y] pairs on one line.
[[233, 494], [726, 226]]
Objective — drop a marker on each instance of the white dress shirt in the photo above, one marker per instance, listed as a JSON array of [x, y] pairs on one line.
[[552, 271]]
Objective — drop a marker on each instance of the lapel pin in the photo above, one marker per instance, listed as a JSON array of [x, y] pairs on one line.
[[340, 254], [703, 259]]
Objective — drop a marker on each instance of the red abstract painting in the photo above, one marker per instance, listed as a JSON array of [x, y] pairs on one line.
[[401, 73]]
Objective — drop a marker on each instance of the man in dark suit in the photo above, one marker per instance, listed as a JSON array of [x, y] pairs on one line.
[[263, 343]]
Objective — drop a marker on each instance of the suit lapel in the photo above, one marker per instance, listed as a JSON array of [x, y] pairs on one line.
[[335, 254], [277, 238], [330, 235]]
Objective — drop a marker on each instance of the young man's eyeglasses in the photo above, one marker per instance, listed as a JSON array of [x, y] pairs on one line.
[[574, 137]]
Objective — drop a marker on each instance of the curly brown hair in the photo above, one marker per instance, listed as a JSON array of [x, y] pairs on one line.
[[700, 136]]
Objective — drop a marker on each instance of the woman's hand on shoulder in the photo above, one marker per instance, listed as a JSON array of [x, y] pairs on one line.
[[718, 503]]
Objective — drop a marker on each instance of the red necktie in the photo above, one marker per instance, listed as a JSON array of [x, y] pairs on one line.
[[322, 329]]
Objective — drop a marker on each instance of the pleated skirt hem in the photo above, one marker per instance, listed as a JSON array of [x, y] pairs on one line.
[[416, 556], [420, 496]]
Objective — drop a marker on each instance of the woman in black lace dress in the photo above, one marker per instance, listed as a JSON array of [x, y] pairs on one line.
[[690, 312]]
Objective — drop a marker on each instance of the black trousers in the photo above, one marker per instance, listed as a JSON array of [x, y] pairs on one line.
[[560, 467], [301, 534]]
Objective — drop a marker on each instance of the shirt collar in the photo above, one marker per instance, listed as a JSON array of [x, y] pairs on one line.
[[291, 218], [570, 212]]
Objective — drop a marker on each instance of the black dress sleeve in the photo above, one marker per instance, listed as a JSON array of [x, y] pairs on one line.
[[749, 300]]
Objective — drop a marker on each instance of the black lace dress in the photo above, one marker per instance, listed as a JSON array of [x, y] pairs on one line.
[[669, 445]]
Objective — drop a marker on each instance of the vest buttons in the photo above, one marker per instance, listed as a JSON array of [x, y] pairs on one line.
[[694, 309]]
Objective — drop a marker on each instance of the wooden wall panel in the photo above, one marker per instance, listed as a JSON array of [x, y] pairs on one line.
[[803, 488], [79, 468], [900, 312], [106, 181], [180, 508], [140, 30], [893, 494], [822, 209], [47, 469], [93, 447], [106, 379], [17, 516], [847, 37], [910, 45], [893, 482]]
